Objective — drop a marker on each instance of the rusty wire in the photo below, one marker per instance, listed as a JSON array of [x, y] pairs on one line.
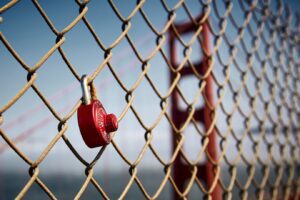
[[281, 60]]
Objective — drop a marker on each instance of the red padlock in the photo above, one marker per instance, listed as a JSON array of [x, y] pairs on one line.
[[94, 124]]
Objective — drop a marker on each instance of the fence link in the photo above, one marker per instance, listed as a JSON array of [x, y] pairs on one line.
[[252, 107]]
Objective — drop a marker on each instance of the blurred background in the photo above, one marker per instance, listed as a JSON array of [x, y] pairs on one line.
[[31, 125]]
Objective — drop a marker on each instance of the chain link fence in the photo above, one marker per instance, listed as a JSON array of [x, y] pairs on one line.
[[252, 55]]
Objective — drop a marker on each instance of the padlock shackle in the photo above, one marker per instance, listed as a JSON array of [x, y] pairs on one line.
[[86, 97]]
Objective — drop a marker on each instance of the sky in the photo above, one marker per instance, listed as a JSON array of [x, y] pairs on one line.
[[29, 35]]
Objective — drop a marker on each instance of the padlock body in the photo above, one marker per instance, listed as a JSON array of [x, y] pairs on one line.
[[91, 120]]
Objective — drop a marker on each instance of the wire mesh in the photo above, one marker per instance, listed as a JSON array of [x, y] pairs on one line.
[[255, 70]]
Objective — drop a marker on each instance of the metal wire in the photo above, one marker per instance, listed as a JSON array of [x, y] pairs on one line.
[[272, 58]]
